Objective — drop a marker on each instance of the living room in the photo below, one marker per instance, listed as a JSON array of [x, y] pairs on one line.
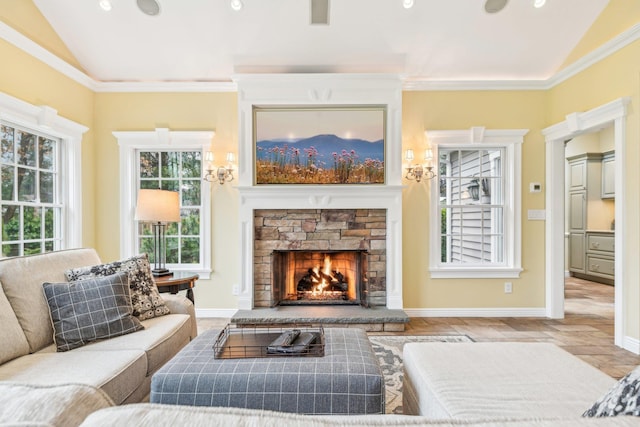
[[601, 68]]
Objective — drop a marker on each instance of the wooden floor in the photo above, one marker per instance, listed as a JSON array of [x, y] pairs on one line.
[[586, 331]]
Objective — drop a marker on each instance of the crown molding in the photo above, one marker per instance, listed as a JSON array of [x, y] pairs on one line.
[[30, 47], [471, 85], [22, 42], [203, 87], [612, 46]]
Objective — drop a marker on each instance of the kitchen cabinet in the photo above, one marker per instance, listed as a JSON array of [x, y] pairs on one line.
[[600, 256], [608, 175]]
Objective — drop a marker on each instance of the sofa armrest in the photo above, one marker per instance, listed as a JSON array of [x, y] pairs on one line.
[[179, 304]]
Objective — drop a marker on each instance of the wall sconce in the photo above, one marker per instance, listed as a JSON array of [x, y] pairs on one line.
[[219, 174], [418, 171]]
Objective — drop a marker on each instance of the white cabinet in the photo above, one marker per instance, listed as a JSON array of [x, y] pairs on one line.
[[608, 175]]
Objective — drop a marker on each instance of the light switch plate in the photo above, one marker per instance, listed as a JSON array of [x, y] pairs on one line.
[[536, 214]]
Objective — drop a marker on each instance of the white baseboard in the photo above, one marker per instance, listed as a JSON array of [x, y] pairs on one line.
[[631, 344], [475, 312], [215, 312]]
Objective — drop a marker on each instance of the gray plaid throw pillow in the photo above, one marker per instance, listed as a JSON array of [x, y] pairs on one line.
[[145, 298], [89, 310]]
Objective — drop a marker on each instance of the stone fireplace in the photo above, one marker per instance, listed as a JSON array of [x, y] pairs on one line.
[[319, 256]]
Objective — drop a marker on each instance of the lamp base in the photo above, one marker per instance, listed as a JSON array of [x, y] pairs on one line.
[[161, 272]]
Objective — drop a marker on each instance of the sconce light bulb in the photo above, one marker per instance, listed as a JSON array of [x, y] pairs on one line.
[[409, 155], [428, 154], [231, 157], [208, 157]]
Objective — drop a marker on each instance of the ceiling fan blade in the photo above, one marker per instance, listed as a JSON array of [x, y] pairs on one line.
[[319, 12], [493, 6]]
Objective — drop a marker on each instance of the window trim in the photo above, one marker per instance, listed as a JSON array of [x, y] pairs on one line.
[[160, 139], [45, 119], [478, 138]]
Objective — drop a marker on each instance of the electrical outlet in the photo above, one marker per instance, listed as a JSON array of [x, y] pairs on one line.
[[235, 289], [508, 287]]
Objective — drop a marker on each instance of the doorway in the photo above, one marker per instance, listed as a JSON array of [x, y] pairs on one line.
[[576, 124]]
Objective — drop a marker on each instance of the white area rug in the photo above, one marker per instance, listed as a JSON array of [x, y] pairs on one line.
[[388, 349]]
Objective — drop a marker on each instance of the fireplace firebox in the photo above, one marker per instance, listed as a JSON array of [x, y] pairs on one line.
[[302, 277]]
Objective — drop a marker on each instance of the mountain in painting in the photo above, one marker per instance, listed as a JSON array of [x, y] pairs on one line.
[[325, 145]]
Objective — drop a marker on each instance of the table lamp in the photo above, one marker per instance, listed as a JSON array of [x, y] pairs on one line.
[[158, 207]]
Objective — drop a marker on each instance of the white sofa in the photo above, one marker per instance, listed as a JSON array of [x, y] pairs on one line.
[[120, 366]]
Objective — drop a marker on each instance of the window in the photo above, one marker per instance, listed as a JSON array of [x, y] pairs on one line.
[[179, 171], [477, 228], [31, 208], [171, 161], [40, 177]]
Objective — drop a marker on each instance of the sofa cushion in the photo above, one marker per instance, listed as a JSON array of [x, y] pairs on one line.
[[118, 373], [161, 339], [622, 399], [22, 279], [90, 310], [14, 343], [145, 298], [153, 415], [55, 405]]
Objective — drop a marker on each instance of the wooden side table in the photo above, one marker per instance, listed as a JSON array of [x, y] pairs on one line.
[[176, 282]]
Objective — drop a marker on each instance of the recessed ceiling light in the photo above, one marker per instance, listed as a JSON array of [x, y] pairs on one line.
[[539, 3], [105, 5], [495, 6], [236, 5], [408, 4], [149, 7]]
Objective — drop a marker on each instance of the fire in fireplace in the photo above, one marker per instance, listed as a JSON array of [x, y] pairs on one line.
[[319, 277]]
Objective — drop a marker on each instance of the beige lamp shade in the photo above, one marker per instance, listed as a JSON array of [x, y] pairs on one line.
[[158, 206]]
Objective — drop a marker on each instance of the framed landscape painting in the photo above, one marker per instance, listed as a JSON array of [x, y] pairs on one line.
[[319, 145]]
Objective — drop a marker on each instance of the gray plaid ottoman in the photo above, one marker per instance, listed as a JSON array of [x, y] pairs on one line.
[[347, 380]]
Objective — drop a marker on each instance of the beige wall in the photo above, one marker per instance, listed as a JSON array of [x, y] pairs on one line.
[[462, 110]]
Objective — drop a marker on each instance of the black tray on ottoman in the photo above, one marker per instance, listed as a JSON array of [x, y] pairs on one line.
[[266, 341]]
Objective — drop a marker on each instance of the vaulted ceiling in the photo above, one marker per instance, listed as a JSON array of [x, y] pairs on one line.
[[435, 40]]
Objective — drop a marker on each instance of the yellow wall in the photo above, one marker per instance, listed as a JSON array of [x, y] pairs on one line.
[[462, 110], [25, 17], [187, 111], [30, 80], [617, 17], [614, 77]]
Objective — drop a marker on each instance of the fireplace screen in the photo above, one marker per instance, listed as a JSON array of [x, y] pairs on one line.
[[319, 277]]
